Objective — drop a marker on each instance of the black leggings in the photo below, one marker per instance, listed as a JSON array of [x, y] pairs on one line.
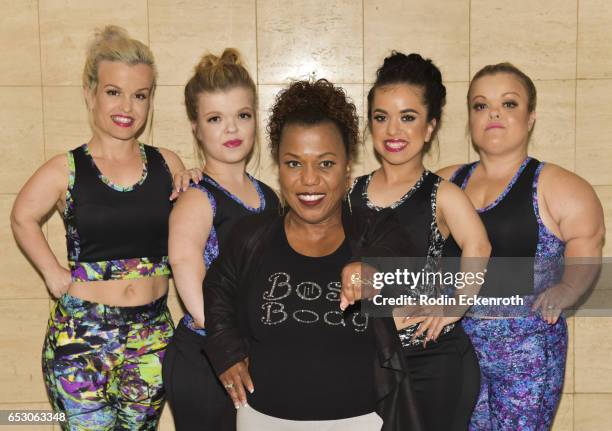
[[446, 380], [195, 394]]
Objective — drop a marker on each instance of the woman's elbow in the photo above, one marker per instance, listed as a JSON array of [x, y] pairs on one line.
[[179, 257], [19, 222], [485, 248], [478, 248]]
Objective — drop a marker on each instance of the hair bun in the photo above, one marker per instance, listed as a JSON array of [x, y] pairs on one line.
[[110, 33], [412, 69], [206, 62], [395, 61], [230, 56]]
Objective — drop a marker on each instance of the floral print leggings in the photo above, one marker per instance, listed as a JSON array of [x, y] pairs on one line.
[[102, 364], [522, 365]]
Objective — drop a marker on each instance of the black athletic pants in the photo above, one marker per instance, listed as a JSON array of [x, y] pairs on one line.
[[446, 380], [195, 394]]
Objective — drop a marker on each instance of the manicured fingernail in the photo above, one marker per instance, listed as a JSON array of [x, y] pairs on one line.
[[244, 404], [237, 406], [251, 390]]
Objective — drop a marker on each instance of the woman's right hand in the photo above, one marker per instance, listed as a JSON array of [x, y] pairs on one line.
[[58, 281], [235, 380], [182, 179], [356, 283]]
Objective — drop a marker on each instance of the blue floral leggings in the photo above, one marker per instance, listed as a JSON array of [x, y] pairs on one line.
[[522, 365]]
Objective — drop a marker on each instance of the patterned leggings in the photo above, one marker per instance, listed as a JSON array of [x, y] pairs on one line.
[[102, 364], [522, 364]]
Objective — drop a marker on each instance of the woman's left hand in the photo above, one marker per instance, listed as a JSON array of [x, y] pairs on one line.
[[181, 181], [552, 301], [431, 322], [235, 380]]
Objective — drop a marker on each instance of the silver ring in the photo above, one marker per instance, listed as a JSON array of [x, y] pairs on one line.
[[228, 386]]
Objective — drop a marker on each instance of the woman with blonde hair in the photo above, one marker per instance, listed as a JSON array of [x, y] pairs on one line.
[[221, 103], [108, 330]]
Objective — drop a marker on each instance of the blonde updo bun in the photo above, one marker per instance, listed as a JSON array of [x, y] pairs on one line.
[[217, 73], [113, 43]]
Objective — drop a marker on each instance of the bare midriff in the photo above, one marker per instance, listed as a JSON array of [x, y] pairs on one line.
[[122, 293]]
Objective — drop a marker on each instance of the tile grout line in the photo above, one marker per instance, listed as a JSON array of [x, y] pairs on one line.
[[42, 93], [469, 140], [152, 108], [42, 101], [363, 78], [256, 42], [469, 40], [148, 27], [574, 333], [259, 132], [285, 83], [576, 90]]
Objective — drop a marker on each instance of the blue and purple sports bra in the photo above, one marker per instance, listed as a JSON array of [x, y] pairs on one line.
[[227, 209]]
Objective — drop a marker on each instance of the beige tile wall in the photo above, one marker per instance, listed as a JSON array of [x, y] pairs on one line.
[[564, 45]]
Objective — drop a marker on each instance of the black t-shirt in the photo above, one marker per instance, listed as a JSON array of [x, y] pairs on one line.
[[308, 360]]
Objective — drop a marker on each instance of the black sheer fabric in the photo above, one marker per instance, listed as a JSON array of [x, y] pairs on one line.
[[225, 292]]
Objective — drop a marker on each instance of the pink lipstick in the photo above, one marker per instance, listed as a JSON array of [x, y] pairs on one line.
[[395, 145], [233, 143], [122, 120]]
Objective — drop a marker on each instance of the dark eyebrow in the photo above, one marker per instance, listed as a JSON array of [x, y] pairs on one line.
[[329, 153], [403, 111], [291, 155]]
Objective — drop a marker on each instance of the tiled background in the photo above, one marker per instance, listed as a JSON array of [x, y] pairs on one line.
[[565, 45]]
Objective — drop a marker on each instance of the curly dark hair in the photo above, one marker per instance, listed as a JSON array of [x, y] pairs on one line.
[[310, 103]]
